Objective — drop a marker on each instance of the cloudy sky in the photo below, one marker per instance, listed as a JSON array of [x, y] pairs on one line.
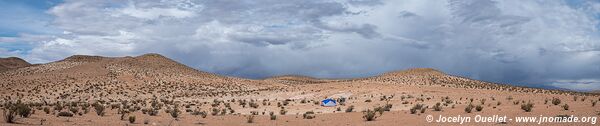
[[537, 43]]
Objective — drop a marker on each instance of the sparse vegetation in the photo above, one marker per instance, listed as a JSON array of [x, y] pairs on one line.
[[9, 115], [282, 111], [65, 114], [175, 112], [250, 119], [478, 108], [131, 119], [555, 101], [387, 107], [469, 108], [369, 115], [12, 110], [379, 109], [437, 107], [565, 107], [215, 111], [350, 108], [416, 108], [309, 115], [47, 110], [527, 107], [273, 116], [99, 109]]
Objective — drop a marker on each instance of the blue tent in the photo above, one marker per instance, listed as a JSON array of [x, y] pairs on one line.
[[328, 103]]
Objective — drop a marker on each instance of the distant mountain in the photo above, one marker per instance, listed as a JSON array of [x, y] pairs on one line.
[[429, 76], [12, 63], [108, 77], [82, 77]]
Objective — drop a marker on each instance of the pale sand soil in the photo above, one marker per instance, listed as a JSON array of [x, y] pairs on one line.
[[328, 115]]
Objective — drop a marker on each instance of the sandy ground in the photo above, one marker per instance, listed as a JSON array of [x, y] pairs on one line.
[[399, 114]]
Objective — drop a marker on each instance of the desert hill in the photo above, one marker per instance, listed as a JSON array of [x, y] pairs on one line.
[[82, 77], [12, 63], [298, 79]]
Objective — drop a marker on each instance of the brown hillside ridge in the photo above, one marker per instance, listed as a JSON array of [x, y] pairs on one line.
[[155, 90], [12, 63]]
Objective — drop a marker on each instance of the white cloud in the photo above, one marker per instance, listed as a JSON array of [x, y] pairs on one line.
[[154, 13], [525, 42]]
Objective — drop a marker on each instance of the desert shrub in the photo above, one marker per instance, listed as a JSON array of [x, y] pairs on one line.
[[74, 109], [342, 101], [565, 107], [203, 114], [350, 108], [254, 112], [215, 111], [65, 114], [132, 119], [369, 115], [368, 100], [338, 109], [123, 113], [387, 107], [423, 109], [22, 110], [273, 116], [85, 110], [114, 106], [516, 102], [99, 109], [58, 107], [527, 107], [555, 101], [379, 109], [250, 119], [9, 115], [286, 102], [223, 111], [478, 108], [469, 108], [437, 107], [415, 108], [308, 115], [282, 111], [11, 110], [231, 110], [253, 105], [175, 112], [47, 110], [594, 103], [152, 112]]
